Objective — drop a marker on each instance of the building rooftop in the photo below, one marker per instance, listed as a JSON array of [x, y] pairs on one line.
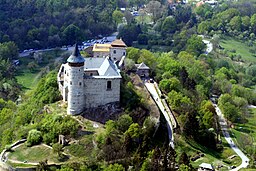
[[142, 66], [104, 66], [206, 166], [118, 43], [75, 57], [101, 47]]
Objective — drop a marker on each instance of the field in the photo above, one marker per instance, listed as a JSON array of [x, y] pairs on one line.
[[245, 134], [236, 47], [210, 156], [32, 154], [30, 70]]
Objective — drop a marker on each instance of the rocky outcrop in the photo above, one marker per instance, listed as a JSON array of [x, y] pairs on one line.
[[103, 113]]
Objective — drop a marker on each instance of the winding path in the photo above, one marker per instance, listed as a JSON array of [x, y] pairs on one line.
[[224, 128]]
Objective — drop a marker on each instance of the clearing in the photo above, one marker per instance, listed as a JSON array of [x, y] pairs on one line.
[[245, 133], [33, 154], [236, 47]]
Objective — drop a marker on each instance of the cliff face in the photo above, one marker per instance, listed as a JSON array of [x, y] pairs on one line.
[[103, 113]]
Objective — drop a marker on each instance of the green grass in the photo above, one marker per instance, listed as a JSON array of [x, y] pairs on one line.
[[210, 156], [20, 165], [32, 154], [241, 48], [27, 78], [245, 134]]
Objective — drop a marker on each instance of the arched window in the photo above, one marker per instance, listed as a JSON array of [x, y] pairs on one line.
[[109, 85], [114, 52], [123, 53]]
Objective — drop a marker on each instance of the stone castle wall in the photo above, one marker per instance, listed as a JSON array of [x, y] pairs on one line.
[[100, 54], [75, 89], [97, 94], [120, 52]]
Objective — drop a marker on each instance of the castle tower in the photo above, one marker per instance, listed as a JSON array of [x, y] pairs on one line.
[[117, 50], [75, 84]]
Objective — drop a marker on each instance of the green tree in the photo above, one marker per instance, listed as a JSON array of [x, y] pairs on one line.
[[148, 58], [183, 167], [236, 23], [72, 34], [34, 137], [117, 16], [195, 45], [246, 22], [114, 167], [8, 50], [134, 130], [203, 27], [179, 102], [124, 122], [169, 25], [133, 53], [253, 22], [155, 8], [57, 148], [208, 114]]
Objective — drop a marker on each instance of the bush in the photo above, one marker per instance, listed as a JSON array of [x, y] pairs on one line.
[[34, 137]]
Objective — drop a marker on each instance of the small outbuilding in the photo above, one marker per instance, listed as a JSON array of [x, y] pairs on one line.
[[205, 167], [142, 70]]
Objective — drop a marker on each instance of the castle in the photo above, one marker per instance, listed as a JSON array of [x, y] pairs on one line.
[[91, 82]]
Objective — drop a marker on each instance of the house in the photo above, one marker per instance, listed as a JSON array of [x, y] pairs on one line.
[[142, 70], [88, 82], [205, 167], [101, 50], [116, 50]]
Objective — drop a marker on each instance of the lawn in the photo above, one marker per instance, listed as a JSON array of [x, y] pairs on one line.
[[32, 154], [245, 134], [241, 48], [28, 78], [210, 156]]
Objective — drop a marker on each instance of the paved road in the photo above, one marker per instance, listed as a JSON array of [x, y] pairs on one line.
[[209, 46], [152, 90], [224, 128], [110, 39], [252, 107]]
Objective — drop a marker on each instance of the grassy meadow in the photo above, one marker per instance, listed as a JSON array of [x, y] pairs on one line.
[[236, 47]]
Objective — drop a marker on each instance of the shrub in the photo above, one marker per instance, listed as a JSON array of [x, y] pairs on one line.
[[34, 137]]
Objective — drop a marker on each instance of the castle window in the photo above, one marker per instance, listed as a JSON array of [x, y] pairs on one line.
[[109, 85], [65, 72], [114, 51], [80, 83], [70, 82], [123, 53]]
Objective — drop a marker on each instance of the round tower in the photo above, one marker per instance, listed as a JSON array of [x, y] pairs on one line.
[[75, 85]]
